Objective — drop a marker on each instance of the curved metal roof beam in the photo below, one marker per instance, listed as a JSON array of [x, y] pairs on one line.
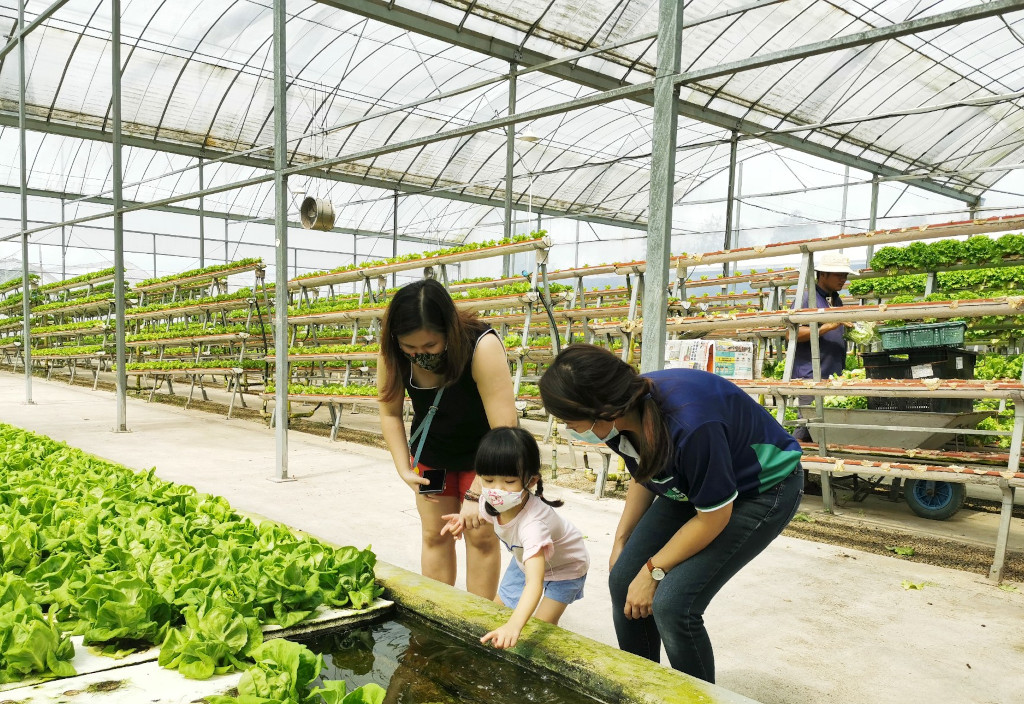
[[788, 116], [332, 95], [897, 123], [607, 167], [70, 60], [533, 27], [620, 7], [258, 51], [980, 139], [408, 114], [892, 154], [500, 149], [792, 20], [371, 103], [185, 65]]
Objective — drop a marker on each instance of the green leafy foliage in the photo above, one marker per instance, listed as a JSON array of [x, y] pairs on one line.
[[11, 284], [198, 272], [846, 402], [130, 561], [997, 366], [69, 351], [285, 672], [328, 390], [862, 333], [69, 327], [15, 302], [338, 303], [107, 288], [978, 249], [371, 349], [415, 256], [61, 305], [901, 550], [215, 635], [184, 330], [83, 279], [30, 642], [172, 364], [240, 294], [530, 390]]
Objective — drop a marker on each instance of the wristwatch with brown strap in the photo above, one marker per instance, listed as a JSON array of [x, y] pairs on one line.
[[657, 574]]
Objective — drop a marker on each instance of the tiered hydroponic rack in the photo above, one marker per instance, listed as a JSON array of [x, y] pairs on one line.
[[190, 326], [69, 325]]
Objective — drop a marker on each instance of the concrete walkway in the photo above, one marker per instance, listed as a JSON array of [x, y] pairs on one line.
[[805, 622]]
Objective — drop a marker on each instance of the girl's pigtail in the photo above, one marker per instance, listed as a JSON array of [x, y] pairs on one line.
[[539, 493]]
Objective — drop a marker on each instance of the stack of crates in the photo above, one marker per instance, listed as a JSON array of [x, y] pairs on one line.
[[932, 351]]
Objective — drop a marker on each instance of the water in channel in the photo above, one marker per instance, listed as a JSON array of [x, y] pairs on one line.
[[419, 664]]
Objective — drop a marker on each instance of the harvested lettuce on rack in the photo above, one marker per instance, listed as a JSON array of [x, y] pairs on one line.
[[862, 333]]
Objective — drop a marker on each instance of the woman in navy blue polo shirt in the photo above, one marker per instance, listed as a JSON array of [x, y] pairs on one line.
[[715, 480]]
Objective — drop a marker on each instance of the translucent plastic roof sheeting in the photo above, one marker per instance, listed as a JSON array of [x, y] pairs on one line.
[[198, 75], [968, 61]]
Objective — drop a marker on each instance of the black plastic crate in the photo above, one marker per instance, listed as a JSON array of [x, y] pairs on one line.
[[922, 363], [925, 405]]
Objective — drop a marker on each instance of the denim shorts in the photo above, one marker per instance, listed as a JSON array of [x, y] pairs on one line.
[[564, 591]]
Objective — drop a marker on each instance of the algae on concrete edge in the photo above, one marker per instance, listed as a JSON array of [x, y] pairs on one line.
[[606, 673]]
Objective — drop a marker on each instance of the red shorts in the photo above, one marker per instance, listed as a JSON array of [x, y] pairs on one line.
[[455, 483]]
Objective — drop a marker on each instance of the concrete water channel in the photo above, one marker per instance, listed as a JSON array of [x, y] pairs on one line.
[[805, 622]]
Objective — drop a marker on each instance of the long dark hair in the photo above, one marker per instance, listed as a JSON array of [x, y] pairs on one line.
[[590, 383], [511, 452], [425, 305]]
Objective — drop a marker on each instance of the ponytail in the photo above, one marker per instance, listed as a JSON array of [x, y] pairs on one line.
[[656, 448]]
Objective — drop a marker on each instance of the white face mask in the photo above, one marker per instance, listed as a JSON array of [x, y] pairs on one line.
[[592, 437], [502, 500]]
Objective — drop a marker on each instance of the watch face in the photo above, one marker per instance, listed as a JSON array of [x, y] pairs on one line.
[[657, 574]]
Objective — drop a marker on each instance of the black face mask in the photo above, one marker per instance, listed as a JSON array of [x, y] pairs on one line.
[[427, 360]]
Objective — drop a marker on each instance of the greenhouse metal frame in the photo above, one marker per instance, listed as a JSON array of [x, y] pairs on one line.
[[930, 100]]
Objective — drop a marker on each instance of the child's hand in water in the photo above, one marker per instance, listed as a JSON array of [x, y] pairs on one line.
[[455, 525], [504, 637]]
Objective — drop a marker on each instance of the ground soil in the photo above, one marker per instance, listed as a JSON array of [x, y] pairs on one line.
[[823, 528]]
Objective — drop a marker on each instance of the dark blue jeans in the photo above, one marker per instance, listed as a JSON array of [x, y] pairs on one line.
[[686, 591]]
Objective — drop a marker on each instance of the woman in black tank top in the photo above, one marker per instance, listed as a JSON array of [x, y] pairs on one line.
[[428, 345]]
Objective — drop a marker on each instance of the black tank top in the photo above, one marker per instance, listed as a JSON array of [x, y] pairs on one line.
[[458, 425]]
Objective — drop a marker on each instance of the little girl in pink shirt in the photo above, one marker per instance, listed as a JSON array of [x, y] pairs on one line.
[[549, 559]]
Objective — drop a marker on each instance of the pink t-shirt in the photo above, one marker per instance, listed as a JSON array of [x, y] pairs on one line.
[[539, 527]]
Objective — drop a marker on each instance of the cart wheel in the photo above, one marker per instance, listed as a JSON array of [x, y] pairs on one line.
[[935, 500]]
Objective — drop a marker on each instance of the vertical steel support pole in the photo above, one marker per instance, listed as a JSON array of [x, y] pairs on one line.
[[63, 243], [115, 113], [154, 255], [663, 167], [202, 218], [26, 285], [846, 200], [576, 254], [281, 252], [226, 254], [872, 217], [510, 160], [728, 267], [394, 238]]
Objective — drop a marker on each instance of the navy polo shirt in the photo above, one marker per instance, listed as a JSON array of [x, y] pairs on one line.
[[727, 446], [831, 345]]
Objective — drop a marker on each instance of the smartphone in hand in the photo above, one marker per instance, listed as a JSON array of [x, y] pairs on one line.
[[436, 477]]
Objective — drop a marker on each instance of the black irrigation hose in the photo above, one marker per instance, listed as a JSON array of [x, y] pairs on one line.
[[556, 343], [263, 333]]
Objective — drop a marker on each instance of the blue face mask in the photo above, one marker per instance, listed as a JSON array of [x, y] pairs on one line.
[[592, 437]]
